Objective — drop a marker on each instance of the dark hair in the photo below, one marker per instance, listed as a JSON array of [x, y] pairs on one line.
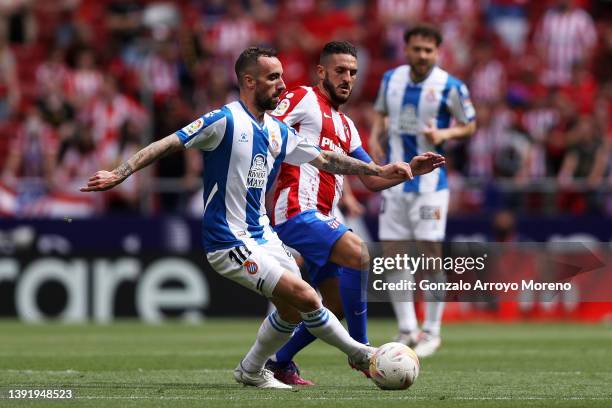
[[248, 58], [337, 47], [424, 30]]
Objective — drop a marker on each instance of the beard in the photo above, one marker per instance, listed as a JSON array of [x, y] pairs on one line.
[[336, 99], [265, 102], [422, 68]]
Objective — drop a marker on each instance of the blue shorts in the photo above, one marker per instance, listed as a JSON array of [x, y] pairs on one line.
[[313, 235]]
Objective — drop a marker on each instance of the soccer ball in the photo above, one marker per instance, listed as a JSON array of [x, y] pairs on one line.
[[394, 366]]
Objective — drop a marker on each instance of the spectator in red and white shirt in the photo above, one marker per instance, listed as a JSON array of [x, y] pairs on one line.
[[86, 80], [566, 35]]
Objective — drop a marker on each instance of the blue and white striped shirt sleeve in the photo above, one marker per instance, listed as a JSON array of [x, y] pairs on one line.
[[298, 149], [206, 132], [460, 105]]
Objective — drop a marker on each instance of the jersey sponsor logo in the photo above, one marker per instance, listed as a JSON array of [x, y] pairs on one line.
[[430, 212], [251, 267], [257, 173], [194, 126], [281, 108], [243, 138], [330, 145], [408, 121]]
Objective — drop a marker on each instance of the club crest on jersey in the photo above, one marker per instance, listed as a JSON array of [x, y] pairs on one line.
[[251, 267], [257, 173], [430, 95], [194, 126], [274, 142], [281, 108], [333, 223]]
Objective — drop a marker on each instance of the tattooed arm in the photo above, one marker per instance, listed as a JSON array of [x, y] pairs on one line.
[[105, 180], [340, 164]]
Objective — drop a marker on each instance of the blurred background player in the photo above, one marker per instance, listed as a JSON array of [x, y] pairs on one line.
[[303, 215], [244, 145], [414, 108]]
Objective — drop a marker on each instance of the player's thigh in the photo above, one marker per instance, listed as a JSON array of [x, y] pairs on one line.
[[429, 216], [349, 251], [312, 234], [394, 221]]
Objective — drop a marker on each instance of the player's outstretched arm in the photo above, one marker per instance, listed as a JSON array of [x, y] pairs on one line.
[[421, 164], [105, 180], [340, 164]]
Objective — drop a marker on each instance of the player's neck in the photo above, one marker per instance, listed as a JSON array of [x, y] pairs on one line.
[[327, 96], [414, 77], [251, 107]]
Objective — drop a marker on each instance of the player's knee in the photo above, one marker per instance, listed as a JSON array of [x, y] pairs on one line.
[[306, 298], [359, 256]]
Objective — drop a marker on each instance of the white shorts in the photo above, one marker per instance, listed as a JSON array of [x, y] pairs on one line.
[[413, 216], [257, 267]]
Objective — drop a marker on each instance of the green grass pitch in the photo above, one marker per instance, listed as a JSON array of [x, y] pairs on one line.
[[128, 364]]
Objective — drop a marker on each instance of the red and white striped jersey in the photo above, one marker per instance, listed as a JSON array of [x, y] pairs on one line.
[[566, 38], [301, 188]]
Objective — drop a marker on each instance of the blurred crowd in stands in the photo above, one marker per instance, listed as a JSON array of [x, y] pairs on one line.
[[83, 84]]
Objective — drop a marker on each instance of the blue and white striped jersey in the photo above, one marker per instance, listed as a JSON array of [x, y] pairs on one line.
[[410, 108], [240, 158]]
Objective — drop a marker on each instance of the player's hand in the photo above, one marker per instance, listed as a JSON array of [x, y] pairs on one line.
[[396, 170], [434, 135], [426, 162], [101, 181]]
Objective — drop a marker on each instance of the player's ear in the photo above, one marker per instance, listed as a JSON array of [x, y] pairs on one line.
[[249, 81], [320, 72], [406, 49]]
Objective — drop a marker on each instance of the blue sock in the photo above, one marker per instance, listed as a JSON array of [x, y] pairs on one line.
[[300, 339], [355, 310]]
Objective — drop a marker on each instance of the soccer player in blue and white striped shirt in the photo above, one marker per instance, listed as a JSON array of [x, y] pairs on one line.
[[414, 108]]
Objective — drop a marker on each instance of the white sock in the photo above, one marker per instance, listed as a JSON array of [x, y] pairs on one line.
[[406, 317], [403, 303], [272, 334], [433, 317], [326, 326], [434, 306]]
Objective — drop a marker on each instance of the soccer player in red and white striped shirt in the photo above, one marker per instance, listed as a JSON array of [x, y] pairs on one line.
[[306, 197]]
